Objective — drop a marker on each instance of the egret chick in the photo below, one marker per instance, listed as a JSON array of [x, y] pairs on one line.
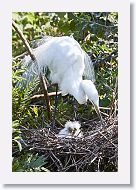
[[71, 129]]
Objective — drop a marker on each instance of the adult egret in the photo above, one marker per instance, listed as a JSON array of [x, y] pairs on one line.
[[71, 129], [68, 64]]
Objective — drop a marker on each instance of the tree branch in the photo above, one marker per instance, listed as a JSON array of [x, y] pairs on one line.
[[41, 96], [42, 80]]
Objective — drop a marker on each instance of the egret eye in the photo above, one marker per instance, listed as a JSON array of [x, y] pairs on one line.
[[70, 130], [74, 130]]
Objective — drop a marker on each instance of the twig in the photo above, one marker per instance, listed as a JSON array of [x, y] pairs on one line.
[[99, 160], [100, 60], [43, 83], [40, 96], [20, 56], [104, 108], [114, 98], [60, 166], [55, 107]]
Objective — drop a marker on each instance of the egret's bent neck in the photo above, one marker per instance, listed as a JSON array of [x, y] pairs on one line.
[[91, 91], [79, 94]]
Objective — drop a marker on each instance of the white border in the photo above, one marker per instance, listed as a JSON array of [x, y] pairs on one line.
[[120, 177]]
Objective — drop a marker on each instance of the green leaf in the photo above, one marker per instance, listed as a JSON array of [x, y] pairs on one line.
[[61, 15], [35, 109], [15, 124], [37, 161], [18, 143], [28, 26], [15, 16], [30, 17]]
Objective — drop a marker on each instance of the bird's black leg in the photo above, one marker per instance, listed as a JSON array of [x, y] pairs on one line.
[[55, 106]]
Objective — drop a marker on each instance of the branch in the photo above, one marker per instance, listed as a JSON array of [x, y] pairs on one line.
[[20, 56], [43, 83], [41, 96], [110, 56]]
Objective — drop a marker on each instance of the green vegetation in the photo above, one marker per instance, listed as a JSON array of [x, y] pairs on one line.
[[97, 34]]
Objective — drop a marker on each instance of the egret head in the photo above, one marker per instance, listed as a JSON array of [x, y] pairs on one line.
[[73, 128], [91, 92]]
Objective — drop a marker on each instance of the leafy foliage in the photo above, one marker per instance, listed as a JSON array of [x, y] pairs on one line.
[[97, 32], [29, 163]]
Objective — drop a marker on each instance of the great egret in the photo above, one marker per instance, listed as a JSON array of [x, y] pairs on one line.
[[68, 64], [71, 129]]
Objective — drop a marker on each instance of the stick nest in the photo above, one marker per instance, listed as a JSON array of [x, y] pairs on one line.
[[96, 150]]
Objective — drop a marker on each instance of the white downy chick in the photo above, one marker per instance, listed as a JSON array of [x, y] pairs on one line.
[[71, 129]]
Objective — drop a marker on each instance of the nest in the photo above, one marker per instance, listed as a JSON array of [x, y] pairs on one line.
[[96, 150]]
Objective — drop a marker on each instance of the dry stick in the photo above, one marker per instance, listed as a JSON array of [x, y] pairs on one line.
[[40, 96], [107, 139], [55, 108], [114, 97], [20, 56], [43, 83]]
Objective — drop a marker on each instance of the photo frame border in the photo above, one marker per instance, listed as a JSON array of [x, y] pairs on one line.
[[123, 174]]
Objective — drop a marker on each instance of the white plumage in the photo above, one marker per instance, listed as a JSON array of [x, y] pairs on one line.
[[71, 129], [68, 63]]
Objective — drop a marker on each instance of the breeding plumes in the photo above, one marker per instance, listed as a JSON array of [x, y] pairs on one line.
[[71, 129], [68, 64]]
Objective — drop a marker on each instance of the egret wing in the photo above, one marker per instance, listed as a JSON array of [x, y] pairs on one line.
[[89, 68], [36, 43]]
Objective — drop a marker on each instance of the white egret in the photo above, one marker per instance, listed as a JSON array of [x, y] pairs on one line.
[[71, 129], [68, 63]]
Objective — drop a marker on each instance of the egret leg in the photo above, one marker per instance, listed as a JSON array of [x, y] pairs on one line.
[[99, 114], [74, 109], [55, 106]]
